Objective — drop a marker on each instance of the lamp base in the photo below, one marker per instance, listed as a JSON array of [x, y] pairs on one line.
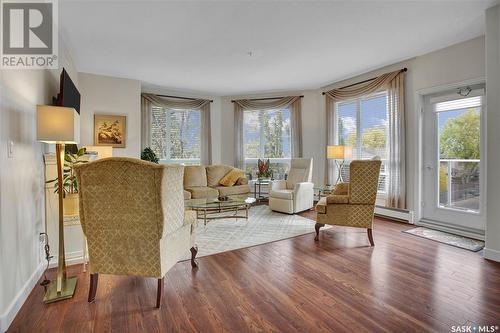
[[67, 291]]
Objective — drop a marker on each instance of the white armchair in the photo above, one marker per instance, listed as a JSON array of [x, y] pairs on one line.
[[295, 194]]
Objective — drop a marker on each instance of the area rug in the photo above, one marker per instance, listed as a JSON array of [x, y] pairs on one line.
[[263, 226], [446, 238]]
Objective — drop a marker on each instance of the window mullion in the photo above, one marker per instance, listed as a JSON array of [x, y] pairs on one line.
[[358, 128]]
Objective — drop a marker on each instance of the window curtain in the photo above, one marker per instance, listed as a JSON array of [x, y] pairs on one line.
[[291, 102], [393, 82], [149, 100]]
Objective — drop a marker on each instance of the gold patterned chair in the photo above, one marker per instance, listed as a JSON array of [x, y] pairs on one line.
[[352, 204], [132, 213]]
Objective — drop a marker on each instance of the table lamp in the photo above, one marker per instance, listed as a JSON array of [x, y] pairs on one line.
[[339, 153], [59, 125]]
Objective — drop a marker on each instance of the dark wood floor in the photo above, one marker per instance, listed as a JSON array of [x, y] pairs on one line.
[[340, 284]]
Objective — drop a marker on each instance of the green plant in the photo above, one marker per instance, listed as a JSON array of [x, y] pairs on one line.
[[264, 171], [149, 155], [70, 184]]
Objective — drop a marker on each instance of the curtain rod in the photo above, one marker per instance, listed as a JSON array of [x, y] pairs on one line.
[[265, 99], [188, 98], [364, 81]]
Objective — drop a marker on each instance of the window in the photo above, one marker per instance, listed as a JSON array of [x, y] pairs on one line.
[[175, 135], [362, 124], [267, 134]]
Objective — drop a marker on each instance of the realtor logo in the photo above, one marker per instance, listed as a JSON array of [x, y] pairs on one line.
[[29, 34]]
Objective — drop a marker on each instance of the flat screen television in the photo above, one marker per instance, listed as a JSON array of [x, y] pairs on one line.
[[68, 95]]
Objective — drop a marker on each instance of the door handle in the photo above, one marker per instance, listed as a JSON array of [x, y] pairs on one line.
[[428, 167]]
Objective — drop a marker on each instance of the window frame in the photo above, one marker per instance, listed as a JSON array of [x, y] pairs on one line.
[[381, 194], [169, 160]]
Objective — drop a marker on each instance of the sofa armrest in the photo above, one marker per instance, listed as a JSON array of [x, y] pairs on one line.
[[242, 181], [277, 185]]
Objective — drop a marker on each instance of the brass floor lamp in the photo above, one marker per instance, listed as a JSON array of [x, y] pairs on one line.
[[59, 125], [339, 153]]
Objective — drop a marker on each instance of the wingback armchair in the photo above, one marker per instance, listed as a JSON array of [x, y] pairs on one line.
[[295, 194], [352, 204], [132, 214]]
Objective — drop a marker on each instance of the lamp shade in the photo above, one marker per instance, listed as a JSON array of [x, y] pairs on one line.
[[56, 124], [338, 152]]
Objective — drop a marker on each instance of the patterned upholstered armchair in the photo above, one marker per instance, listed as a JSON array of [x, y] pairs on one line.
[[132, 213], [352, 204]]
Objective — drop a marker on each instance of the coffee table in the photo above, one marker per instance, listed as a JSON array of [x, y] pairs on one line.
[[212, 209]]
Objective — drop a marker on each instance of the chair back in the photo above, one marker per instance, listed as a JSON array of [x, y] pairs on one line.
[[363, 181], [300, 171], [122, 206]]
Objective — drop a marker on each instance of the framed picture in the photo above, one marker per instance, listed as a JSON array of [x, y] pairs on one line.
[[110, 130]]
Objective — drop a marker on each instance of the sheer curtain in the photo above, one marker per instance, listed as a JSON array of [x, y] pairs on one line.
[[291, 102], [393, 82], [149, 100]]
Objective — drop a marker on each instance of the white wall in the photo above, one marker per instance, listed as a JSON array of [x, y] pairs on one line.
[[453, 64], [111, 96], [492, 248], [21, 181]]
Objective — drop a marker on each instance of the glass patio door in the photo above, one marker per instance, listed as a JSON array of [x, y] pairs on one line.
[[452, 166]]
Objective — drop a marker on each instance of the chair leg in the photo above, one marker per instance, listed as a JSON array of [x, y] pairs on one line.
[[194, 251], [370, 237], [316, 227], [93, 286], [159, 293]]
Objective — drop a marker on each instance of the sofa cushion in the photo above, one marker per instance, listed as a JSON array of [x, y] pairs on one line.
[[242, 181], [201, 192], [187, 195], [215, 173], [321, 206], [233, 190], [195, 176], [231, 177], [281, 194]]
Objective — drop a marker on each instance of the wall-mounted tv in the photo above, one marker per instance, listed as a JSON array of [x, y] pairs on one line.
[[68, 95]]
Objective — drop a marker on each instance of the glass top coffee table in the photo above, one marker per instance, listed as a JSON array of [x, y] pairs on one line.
[[212, 209]]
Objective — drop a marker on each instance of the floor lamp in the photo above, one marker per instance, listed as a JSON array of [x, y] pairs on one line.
[[59, 125], [339, 153]]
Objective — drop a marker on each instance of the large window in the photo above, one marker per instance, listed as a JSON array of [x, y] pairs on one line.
[[362, 124], [175, 135], [266, 134]]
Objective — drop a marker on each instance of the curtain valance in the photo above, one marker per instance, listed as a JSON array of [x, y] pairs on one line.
[[172, 103], [280, 103], [362, 89]]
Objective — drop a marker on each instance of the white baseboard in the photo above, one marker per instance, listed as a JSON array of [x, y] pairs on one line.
[[72, 258], [8, 316], [398, 214], [462, 231], [492, 254]]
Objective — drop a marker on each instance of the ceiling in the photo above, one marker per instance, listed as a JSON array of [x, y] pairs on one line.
[[243, 47]]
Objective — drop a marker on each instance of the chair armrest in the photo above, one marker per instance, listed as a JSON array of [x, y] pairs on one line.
[[277, 185], [190, 218], [303, 186], [337, 199]]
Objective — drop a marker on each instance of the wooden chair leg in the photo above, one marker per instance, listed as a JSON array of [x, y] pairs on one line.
[[316, 227], [93, 286], [370, 237], [159, 293], [194, 251]]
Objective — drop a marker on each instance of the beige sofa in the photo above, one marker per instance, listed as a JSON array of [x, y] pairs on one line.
[[203, 182]]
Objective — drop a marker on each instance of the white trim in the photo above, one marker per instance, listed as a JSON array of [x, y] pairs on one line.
[[399, 214], [491, 254], [72, 258], [15, 305], [453, 229]]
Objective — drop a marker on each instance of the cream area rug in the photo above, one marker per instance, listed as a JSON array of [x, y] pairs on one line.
[[263, 226]]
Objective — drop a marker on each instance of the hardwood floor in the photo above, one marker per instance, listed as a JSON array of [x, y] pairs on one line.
[[340, 284]]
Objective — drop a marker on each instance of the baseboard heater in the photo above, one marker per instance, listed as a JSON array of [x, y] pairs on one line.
[[394, 214]]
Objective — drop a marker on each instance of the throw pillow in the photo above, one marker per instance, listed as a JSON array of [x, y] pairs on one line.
[[231, 177]]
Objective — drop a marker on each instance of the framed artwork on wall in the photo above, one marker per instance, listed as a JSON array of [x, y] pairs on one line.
[[110, 130]]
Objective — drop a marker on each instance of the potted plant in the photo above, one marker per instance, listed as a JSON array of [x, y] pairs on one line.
[[149, 155], [264, 168], [70, 184]]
